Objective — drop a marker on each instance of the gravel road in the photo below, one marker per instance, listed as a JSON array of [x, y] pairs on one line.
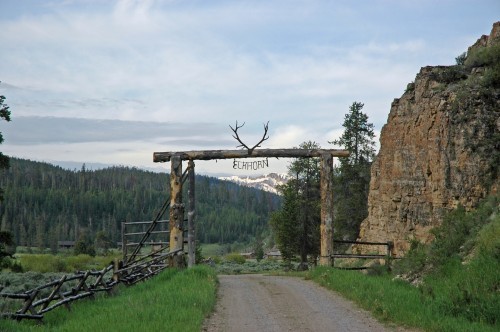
[[270, 303]]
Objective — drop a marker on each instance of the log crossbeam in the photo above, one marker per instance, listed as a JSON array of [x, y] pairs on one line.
[[160, 157], [326, 156]]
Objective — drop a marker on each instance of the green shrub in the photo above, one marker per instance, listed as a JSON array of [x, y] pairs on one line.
[[235, 258], [449, 74], [415, 260], [488, 239], [457, 235], [462, 265], [460, 60], [492, 76], [483, 57]]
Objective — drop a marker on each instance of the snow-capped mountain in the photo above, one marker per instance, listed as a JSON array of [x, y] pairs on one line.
[[267, 182]]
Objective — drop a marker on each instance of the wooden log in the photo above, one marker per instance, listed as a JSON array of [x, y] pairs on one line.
[[176, 211], [326, 226], [191, 216], [20, 316], [142, 233], [66, 301], [230, 154], [146, 222], [362, 242], [54, 292], [367, 256], [15, 296]]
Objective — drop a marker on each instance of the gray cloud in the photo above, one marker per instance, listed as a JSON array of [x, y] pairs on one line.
[[35, 130]]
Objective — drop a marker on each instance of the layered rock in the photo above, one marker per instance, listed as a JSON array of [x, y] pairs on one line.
[[437, 151]]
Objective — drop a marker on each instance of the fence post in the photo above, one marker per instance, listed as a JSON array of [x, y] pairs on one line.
[[191, 217], [388, 259], [124, 243], [176, 211], [326, 226]]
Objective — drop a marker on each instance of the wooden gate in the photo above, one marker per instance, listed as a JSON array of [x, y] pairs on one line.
[[177, 207]]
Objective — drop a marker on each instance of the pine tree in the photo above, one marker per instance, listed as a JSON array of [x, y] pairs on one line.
[[5, 115], [352, 177], [296, 225]]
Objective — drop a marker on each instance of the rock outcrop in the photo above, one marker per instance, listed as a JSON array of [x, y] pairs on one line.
[[439, 148]]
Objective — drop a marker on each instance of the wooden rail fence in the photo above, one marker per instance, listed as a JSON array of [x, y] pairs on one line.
[[387, 257], [82, 284]]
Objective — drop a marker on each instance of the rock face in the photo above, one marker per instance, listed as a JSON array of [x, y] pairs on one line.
[[439, 148]]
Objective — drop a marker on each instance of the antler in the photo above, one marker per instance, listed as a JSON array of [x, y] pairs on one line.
[[237, 137]]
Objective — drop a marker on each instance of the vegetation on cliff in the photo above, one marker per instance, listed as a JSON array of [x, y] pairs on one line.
[[478, 83]]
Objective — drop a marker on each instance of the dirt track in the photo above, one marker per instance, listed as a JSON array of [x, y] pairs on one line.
[[269, 303]]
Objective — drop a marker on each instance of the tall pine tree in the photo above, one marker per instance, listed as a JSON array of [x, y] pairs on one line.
[[296, 225], [5, 236], [352, 176], [5, 115]]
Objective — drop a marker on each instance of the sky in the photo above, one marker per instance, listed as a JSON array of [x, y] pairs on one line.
[[106, 82]]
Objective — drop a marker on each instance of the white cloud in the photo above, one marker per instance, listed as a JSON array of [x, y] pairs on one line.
[[298, 64]]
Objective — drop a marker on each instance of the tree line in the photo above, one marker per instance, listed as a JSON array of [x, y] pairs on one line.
[[296, 225], [44, 204]]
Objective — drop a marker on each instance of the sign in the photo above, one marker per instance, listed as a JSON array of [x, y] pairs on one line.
[[250, 165]]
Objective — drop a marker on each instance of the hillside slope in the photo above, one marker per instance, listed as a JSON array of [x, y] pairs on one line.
[[45, 204]]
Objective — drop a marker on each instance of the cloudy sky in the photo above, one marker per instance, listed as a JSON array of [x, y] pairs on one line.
[[111, 82]]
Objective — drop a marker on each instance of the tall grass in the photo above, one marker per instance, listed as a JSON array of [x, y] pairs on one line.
[[60, 263], [458, 277], [172, 301], [396, 301]]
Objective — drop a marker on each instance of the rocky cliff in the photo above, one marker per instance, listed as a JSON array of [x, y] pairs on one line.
[[439, 148]]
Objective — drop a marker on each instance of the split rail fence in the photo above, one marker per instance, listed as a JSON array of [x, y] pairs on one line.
[[69, 288], [136, 266], [387, 257], [145, 254]]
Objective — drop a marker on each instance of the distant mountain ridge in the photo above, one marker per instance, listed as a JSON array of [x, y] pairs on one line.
[[267, 182], [45, 204]]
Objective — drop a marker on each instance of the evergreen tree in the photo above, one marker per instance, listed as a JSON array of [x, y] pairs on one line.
[[84, 245], [352, 177], [5, 241], [6, 238], [296, 225], [45, 204], [5, 115]]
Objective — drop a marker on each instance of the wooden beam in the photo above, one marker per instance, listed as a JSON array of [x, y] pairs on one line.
[[326, 226], [160, 157], [176, 212], [191, 216]]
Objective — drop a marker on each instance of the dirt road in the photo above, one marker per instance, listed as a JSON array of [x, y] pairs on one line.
[[270, 303]]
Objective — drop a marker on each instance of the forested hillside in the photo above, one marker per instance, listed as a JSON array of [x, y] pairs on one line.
[[45, 204]]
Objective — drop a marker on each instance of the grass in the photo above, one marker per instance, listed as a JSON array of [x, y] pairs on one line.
[[458, 277], [174, 301], [62, 263], [395, 301]]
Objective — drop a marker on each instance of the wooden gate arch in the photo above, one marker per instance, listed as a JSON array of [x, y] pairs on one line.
[[177, 207]]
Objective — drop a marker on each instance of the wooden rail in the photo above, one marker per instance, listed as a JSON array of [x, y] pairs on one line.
[[388, 256], [83, 284]]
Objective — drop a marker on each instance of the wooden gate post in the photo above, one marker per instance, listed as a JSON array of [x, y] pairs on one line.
[[191, 217], [176, 212], [326, 227]]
